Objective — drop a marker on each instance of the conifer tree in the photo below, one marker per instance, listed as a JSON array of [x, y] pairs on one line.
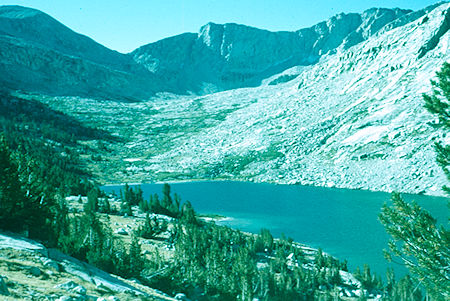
[[155, 205], [188, 213], [125, 208], [151, 228], [92, 202], [144, 205], [417, 240], [136, 260], [61, 221], [19, 212], [422, 246], [439, 103], [104, 206]]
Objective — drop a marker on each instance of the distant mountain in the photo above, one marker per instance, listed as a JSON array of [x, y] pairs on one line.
[[229, 56], [40, 29], [40, 54]]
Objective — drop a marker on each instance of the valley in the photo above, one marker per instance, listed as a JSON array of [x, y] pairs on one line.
[[341, 113], [356, 114]]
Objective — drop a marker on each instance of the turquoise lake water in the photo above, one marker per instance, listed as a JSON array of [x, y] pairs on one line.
[[343, 222]]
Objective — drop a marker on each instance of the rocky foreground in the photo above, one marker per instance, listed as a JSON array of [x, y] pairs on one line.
[[30, 271]]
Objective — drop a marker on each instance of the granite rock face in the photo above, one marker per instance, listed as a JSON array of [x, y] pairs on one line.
[[228, 56]]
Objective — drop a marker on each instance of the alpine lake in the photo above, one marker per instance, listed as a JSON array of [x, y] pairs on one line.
[[342, 222]]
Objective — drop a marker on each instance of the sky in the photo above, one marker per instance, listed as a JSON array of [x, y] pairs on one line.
[[124, 25]]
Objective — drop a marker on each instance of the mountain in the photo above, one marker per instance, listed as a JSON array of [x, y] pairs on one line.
[[40, 29], [40, 54], [229, 56], [354, 119], [338, 104]]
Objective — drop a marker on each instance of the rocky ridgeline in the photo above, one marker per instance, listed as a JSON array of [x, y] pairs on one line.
[[40, 54], [229, 56]]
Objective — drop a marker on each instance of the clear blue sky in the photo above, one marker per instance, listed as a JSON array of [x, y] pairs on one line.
[[124, 25]]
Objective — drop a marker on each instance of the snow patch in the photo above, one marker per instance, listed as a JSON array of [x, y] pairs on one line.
[[366, 135]]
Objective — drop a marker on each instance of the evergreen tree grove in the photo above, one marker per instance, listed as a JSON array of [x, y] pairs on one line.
[[19, 212], [12, 199]]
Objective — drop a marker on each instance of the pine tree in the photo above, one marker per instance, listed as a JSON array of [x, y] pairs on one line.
[[177, 203], [439, 103], [423, 246], [125, 208], [144, 205], [136, 260], [138, 196], [188, 213], [151, 228], [61, 222], [104, 206], [18, 211], [154, 205], [92, 203], [168, 206], [167, 199]]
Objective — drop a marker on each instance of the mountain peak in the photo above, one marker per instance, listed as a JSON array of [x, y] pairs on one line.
[[19, 12]]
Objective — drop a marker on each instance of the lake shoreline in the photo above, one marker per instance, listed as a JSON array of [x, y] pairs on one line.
[[343, 222], [440, 194]]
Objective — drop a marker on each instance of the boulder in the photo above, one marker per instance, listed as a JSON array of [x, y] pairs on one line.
[[51, 264], [121, 231], [35, 271], [71, 286], [79, 290], [181, 296]]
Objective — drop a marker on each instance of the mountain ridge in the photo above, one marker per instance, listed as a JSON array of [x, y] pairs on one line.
[[42, 55], [231, 55], [37, 27], [217, 58]]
